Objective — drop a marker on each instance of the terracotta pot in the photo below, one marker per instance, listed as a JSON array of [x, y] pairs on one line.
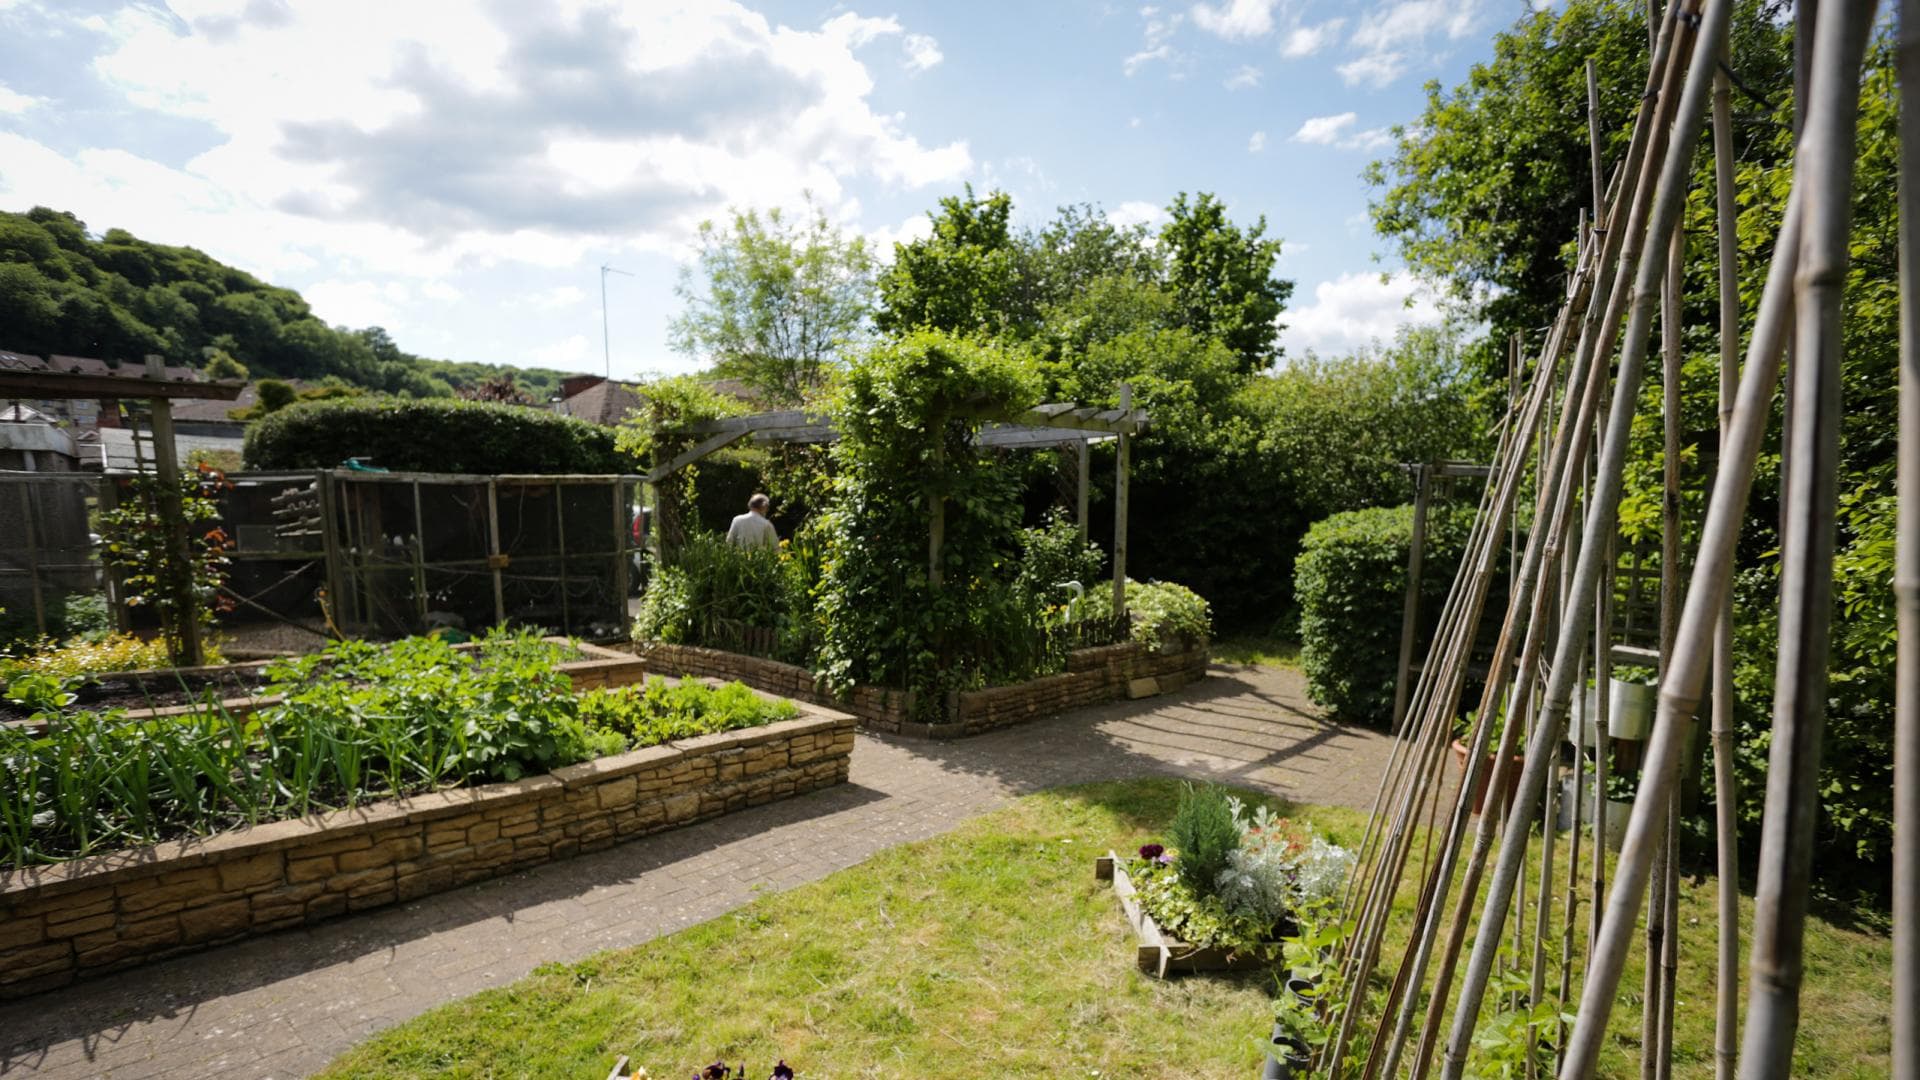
[[1486, 776]]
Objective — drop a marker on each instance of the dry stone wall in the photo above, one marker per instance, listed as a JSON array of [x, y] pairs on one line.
[[98, 914]]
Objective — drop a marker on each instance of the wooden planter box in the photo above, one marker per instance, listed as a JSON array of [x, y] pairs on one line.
[[1159, 952]]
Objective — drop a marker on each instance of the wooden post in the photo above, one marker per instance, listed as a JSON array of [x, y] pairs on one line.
[[937, 511], [1084, 456], [1121, 465], [1410, 612], [494, 559], [330, 527], [33, 561], [622, 524], [166, 464], [419, 557]]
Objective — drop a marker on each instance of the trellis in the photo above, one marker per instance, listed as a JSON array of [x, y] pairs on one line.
[[1062, 426], [1559, 616]]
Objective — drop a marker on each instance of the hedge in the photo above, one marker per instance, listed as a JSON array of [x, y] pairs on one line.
[[431, 435], [1351, 581]]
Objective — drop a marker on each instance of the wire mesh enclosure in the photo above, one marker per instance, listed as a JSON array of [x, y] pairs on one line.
[[47, 554]]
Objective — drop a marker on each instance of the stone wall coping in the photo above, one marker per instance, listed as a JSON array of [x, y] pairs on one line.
[[93, 870]]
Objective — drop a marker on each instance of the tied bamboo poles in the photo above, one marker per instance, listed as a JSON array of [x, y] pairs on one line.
[[1602, 316], [1906, 574], [1826, 155], [1601, 520]]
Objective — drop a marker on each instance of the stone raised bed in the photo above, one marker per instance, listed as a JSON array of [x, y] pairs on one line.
[[105, 912], [1159, 952], [1093, 676], [598, 667]]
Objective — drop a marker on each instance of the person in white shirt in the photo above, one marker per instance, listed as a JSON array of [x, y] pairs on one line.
[[752, 529]]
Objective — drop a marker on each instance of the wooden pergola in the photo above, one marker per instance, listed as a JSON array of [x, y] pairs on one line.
[[159, 391], [1057, 425]]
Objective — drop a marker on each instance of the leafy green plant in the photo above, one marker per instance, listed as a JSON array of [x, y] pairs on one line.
[[1314, 998], [658, 711], [79, 656], [1205, 834], [438, 434], [714, 593], [136, 544], [1162, 613], [1351, 581]]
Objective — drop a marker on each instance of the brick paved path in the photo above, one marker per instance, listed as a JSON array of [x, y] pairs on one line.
[[286, 1004]]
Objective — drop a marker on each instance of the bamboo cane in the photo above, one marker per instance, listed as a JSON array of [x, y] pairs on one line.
[[1668, 202], [1906, 575], [1725, 811], [1826, 156], [1680, 691]]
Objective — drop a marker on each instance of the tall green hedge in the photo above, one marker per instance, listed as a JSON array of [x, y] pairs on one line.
[[1351, 581], [431, 435]]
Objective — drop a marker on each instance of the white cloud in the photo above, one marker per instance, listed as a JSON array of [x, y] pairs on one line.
[[1410, 22], [1136, 212], [1356, 310], [923, 51], [442, 291], [1257, 142], [1133, 121], [559, 296], [13, 103], [1237, 20], [1245, 78], [1324, 130], [1333, 131], [1158, 37], [572, 353], [881, 240], [1376, 70], [533, 135], [1304, 41]]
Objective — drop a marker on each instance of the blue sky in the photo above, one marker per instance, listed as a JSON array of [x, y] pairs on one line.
[[457, 172]]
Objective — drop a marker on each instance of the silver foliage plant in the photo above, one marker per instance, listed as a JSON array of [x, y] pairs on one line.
[[1273, 873]]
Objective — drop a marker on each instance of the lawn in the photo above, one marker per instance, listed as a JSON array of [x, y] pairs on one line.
[[1256, 649], [988, 952]]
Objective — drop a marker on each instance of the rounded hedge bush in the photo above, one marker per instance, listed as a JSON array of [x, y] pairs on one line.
[[1351, 581], [431, 435]]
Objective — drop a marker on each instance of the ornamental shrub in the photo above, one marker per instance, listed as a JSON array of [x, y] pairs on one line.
[[1351, 581], [431, 435], [1161, 612], [1205, 835]]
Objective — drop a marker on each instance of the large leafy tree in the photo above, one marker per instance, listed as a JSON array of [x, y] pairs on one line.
[[1221, 278], [1482, 192], [963, 278], [775, 302]]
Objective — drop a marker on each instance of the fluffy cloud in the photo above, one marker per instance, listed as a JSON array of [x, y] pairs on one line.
[[1304, 41], [13, 103], [436, 134], [1157, 45], [1136, 212], [1245, 78], [922, 51], [1237, 19], [1257, 142], [1376, 70], [559, 296], [1334, 131], [1356, 310]]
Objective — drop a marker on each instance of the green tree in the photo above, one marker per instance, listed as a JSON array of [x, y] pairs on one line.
[[1221, 278], [274, 395], [776, 303], [221, 365], [963, 278]]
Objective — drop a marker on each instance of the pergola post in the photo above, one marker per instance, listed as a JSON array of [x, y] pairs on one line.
[[1083, 455], [495, 560], [1410, 613], [1122, 460], [166, 465], [937, 523]]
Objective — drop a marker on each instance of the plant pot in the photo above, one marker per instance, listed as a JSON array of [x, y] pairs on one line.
[[1583, 718], [1486, 776], [1630, 709], [1617, 811], [1287, 1057]]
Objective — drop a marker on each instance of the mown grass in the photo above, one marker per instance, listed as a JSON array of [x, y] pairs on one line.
[[1256, 649], [992, 952]]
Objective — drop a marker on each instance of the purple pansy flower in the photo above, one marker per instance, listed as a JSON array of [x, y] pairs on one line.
[[1151, 851], [783, 1071]]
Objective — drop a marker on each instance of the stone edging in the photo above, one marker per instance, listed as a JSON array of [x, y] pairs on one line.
[[1093, 676], [111, 911]]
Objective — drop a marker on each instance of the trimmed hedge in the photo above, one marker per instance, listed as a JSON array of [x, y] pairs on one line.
[[1351, 581], [431, 435]]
